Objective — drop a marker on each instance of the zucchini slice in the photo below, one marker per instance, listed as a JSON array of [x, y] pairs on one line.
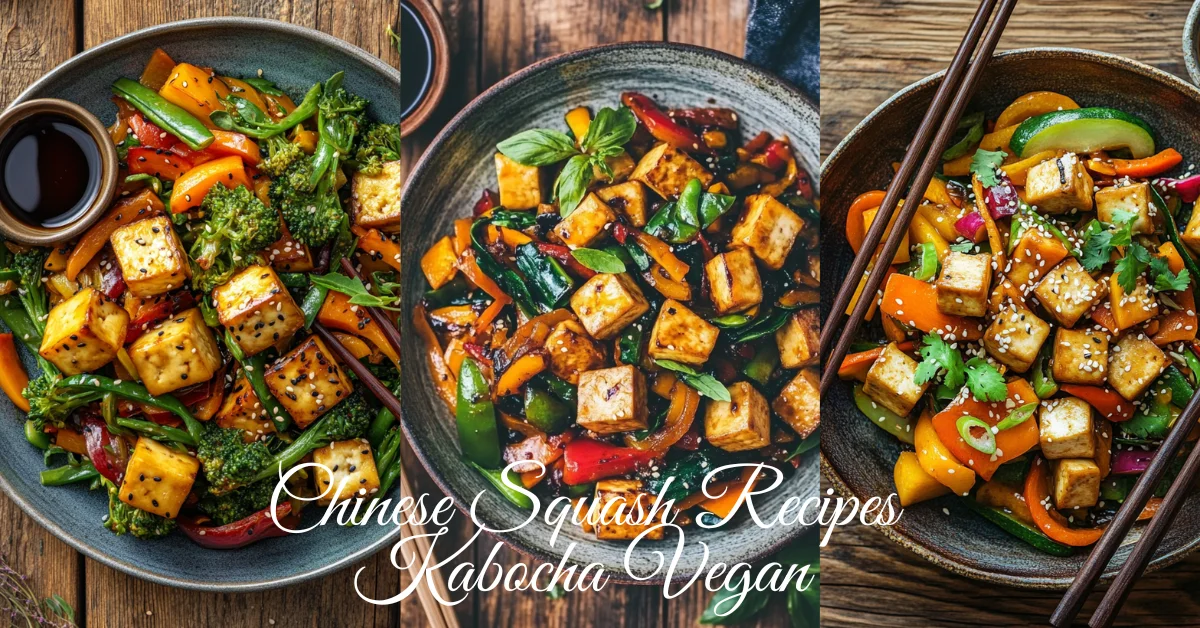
[[1084, 131]]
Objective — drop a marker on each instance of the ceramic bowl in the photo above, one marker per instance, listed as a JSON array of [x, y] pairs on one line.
[[295, 58], [858, 457], [1191, 43], [459, 164], [428, 66]]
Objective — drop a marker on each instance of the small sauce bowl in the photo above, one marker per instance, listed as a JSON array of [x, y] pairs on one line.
[[424, 61]]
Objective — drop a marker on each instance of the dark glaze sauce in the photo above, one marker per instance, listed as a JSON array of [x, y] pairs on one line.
[[51, 170], [416, 59]]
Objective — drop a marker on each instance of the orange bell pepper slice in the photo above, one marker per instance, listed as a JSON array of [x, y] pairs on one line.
[[1047, 522], [520, 372], [338, 313], [475, 274], [685, 401], [190, 87], [914, 302], [443, 379], [1010, 443], [489, 315], [12, 375], [856, 228], [374, 242], [661, 252], [128, 210], [190, 188], [1032, 104], [1105, 400], [230, 143], [1181, 324], [158, 70], [462, 235], [1149, 166]]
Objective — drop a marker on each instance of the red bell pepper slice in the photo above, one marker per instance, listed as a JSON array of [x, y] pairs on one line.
[[257, 526], [149, 134], [1105, 400], [158, 162], [486, 203], [180, 300], [563, 255], [804, 184], [620, 232], [478, 352], [776, 155], [661, 126], [112, 282], [707, 116], [102, 451], [586, 460]]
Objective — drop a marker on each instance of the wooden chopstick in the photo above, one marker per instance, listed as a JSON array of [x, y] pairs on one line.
[[961, 88], [1126, 516]]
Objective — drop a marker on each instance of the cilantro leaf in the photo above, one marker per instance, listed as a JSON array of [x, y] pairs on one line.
[[937, 356], [1131, 266], [986, 383], [1164, 279], [1097, 246], [984, 164], [1123, 221]]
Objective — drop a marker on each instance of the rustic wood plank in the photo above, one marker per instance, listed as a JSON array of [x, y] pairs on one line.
[[716, 24]]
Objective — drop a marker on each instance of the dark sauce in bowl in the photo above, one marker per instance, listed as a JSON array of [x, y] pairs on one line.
[[416, 59], [51, 170]]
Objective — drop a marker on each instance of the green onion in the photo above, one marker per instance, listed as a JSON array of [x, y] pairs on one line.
[[1017, 417], [985, 443]]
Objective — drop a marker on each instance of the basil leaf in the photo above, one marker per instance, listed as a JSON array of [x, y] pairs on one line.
[[572, 183], [263, 85], [609, 131], [599, 261], [353, 288], [704, 383], [538, 147]]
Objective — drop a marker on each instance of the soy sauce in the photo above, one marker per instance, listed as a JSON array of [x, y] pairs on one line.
[[416, 59], [51, 170]]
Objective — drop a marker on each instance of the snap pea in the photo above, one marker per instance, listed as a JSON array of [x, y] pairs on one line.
[[475, 417], [1173, 380], [14, 315], [1193, 364], [312, 304], [521, 500], [688, 207], [927, 262], [136, 392], [254, 123], [557, 386], [388, 458], [379, 427], [169, 116], [1044, 385], [255, 370], [899, 426], [69, 474], [713, 206]]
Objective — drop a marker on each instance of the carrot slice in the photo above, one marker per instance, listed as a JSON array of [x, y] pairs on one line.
[[914, 302]]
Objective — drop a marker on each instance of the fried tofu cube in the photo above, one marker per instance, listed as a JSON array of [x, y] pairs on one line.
[[799, 403], [629, 198], [307, 381], [666, 170], [1015, 337], [606, 303], [150, 256], [520, 185], [346, 470], [612, 400], [241, 410], [84, 333], [891, 381], [586, 225], [439, 263], [621, 165], [733, 281], [962, 289], [740, 424], [257, 309], [799, 340], [768, 228], [1068, 292], [1080, 356], [572, 351], [1057, 186], [680, 335], [1035, 255], [178, 352], [625, 511], [158, 478], [1133, 364], [375, 198], [1133, 198], [1065, 427], [1076, 484], [1131, 308]]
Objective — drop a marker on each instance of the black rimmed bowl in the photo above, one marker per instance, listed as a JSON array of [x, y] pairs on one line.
[[295, 58], [858, 457], [459, 164]]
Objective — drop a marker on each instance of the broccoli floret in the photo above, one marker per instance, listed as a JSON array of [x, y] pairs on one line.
[[238, 504], [229, 462], [32, 292], [312, 214], [123, 518], [348, 419], [236, 226], [379, 145], [51, 404], [281, 153]]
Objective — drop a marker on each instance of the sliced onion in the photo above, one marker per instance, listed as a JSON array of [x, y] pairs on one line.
[[971, 227], [1187, 188], [1002, 199], [1132, 461], [984, 442]]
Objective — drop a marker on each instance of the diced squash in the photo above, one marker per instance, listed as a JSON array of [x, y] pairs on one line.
[[937, 461], [913, 484]]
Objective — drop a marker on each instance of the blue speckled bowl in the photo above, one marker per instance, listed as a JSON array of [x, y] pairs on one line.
[[295, 58], [447, 181]]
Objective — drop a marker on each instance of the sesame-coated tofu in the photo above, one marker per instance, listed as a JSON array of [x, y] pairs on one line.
[[799, 403], [1036, 253], [891, 381], [1065, 428], [1133, 364], [1015, 337], [680, 335], [1080, 356], [606, 303], [733, 281], [1076, 484], [84, 333], [520, 186], [584, 226], [666, 170], [241, 410], [962, 288], [572, 351], [799, 340], [178, 352], [740, 424], [375, 198], [768, 228], [308, 382], [625, 511], [439, 263], [1057, 186], [1067, 292], [158, 478], [629, 198], [612, 400], [346, 469], [150, 256], [1133, 198], [257, 309]]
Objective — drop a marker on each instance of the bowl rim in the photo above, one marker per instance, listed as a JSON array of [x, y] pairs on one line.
[[829, 469], [452, 127], [439, 71], [82, 59], [1191, 46]]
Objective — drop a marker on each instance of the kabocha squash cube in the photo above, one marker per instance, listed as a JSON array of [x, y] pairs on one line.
[[1133, 364], [680, 335], [891, 381], [733, 281], [768, 228], [1076, 484], [1067, 292], [624, 511], [740, 424], [799, 403], [962, 288], [799, 340], [84, 333], [439, 263], [1065, 427], [666, 170], [375, 198], [307, 381], [1133, 198], [913, 484], [572, 351], [629, 198], [158, 478], [606, 303], [150, 256], [1057, 186], [612, 400], [1191, 233], [586, 225], [241, 410], [257, 309], [1015, 337], [1080, 356], [347, 470], [520, 186], [1036, 253], [902, 255], [1131, 308], [178, 352]]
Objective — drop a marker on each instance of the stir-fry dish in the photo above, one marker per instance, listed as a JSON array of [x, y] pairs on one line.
[[656, 319], [178, 369], [1037, 340]]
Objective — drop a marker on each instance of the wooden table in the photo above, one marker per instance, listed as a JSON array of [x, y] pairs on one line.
[[869, 50]]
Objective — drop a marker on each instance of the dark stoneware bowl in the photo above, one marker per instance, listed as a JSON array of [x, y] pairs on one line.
[[858, 457], [447, 181], [1191, 43], [295, 58]]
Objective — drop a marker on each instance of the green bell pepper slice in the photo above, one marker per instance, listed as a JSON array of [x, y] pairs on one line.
[[475, 417], [899, 426]]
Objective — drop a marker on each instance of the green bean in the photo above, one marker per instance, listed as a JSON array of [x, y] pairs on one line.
[[69, 474], [137, 392], [158, 432]]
